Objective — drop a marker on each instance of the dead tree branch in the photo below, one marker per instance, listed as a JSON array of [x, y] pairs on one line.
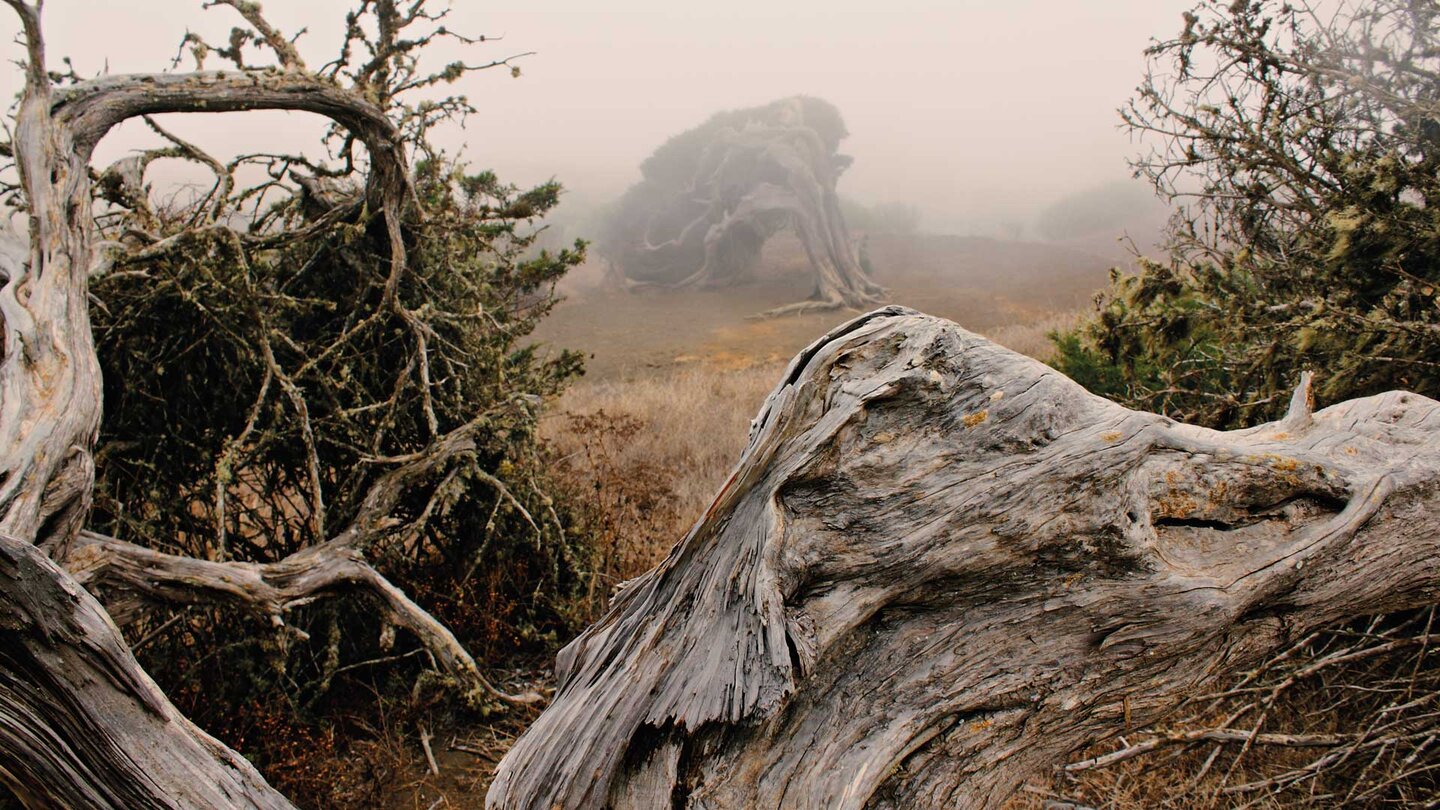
[[84, 726]]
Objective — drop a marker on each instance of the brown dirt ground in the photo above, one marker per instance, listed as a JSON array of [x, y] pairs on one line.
[[982, 284]]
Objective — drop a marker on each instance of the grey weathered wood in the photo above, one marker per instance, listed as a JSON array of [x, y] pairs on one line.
[[83, 727], [940, 567]]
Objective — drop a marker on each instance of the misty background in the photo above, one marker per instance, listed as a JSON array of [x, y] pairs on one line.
[[995, 120]]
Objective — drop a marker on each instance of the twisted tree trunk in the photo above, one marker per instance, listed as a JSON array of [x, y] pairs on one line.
[[940, 567], [714, 195]]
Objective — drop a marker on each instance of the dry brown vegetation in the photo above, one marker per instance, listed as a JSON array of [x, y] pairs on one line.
[[646, 455], [1340, 719]]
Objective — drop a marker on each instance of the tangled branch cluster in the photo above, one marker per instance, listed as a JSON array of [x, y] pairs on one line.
[[1339, 719], [315, 366]]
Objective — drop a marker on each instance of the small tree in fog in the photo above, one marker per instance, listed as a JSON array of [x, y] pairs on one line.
[[1301, 152]]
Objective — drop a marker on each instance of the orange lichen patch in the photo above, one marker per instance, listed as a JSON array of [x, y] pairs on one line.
[[1280, 437], [980, 725], [1218, 493], [1111, 436], [1276, 461], [1283, 464], [1176, 505], [1074, 579], [975, 418]]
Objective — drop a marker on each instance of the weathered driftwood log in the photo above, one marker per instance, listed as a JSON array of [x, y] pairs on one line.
[[941, 567], [712, 196], [85, 728]]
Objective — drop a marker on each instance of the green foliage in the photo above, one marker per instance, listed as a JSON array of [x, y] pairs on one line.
[[206, 451], [1303, 161]]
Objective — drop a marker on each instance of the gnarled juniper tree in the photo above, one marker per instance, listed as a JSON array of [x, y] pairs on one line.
[[712, 196], [308, 377]]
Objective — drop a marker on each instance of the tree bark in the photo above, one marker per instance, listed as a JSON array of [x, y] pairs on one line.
[[941, 567], [84, 727]]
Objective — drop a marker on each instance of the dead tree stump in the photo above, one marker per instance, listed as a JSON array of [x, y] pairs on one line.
[[941, 567]]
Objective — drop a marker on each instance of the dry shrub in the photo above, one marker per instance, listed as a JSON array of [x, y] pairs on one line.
[[1032, 337], [314, 765], [1344, 718], [641, 459]]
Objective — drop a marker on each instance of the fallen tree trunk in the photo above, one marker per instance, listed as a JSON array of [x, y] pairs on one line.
[[941, 567], [85, 728]]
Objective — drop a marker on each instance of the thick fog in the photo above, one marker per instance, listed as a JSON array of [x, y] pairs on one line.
[[983, 114]]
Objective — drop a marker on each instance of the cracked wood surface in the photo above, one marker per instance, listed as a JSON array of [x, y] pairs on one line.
[[941, 567]]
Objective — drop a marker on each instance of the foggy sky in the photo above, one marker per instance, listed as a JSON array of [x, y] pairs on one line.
[[980, 112]]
